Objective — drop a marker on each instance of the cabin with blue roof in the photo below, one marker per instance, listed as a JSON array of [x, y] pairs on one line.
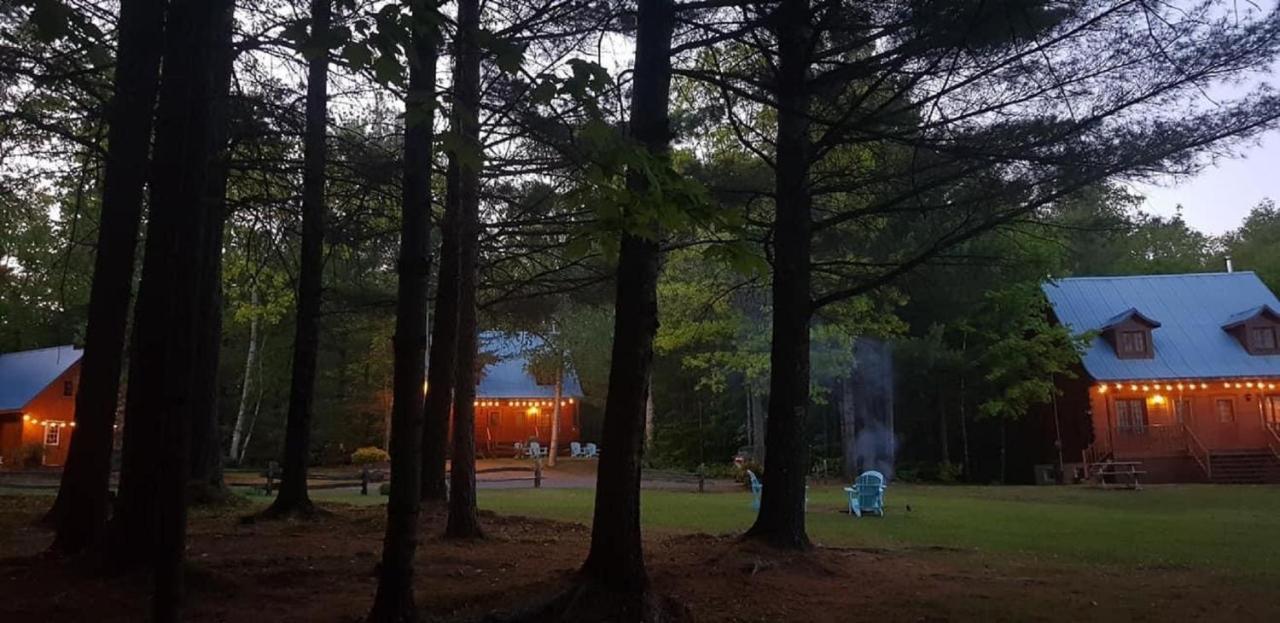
[[38, 405], [1182, 374], [516, 402]]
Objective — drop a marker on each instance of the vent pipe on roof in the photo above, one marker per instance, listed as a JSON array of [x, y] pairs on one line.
[[1231, 267]]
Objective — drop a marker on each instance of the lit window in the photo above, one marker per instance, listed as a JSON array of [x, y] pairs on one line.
[[1131, 416], [1226, 410], [52, 435]]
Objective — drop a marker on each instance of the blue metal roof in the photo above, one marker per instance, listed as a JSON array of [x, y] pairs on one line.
[[23, 375], [1192, 309], [509, 377]]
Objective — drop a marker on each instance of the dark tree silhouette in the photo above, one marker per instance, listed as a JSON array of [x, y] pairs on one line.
[[615, 584], [150, 526], [781, 518], [467, 158], [293, 498], [205, 484], [394, 600], [80, 510]]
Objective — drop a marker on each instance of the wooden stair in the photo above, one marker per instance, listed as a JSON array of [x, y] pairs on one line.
[[1245, 467]]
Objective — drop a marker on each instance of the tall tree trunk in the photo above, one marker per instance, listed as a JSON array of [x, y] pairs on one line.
[[444, 344], [781, 518], [246, 386], [205, 484], [616, 559], [944, 436], [649, 415], [555, 420], [150, 526], [964, 409], [394, 600], [849, 427], [463, 519], [80, 510], [293, 498]]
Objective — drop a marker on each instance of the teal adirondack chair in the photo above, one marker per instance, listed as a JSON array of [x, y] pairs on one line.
[[867, 494], [756, 489]]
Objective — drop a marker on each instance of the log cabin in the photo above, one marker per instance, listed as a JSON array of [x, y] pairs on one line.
[[1181, 376], [514, 405], [38, 405]]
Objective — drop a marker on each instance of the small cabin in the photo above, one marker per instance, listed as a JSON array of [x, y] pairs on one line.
[[1182, 375], [38, 405], [515, 405]]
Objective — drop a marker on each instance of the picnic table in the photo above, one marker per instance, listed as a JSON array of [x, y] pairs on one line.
[[1125, 473]]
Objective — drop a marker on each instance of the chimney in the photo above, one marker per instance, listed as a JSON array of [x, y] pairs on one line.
[[1231, 267]]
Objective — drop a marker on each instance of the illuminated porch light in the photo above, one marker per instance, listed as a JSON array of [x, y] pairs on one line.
[[1102, 389], [1157, 399]]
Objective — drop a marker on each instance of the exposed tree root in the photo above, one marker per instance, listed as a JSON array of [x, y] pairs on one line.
[[585, 601], [305, 511], [208, 494]]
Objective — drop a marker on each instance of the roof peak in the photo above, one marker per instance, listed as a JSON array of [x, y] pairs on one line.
[[36, 350], [1155, 276]]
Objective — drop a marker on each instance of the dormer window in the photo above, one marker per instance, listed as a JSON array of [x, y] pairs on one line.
[[1262, 338], [1133, 343], [1130, 335], [1257, 330]]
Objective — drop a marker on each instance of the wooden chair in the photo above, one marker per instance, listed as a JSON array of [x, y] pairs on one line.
[[591, 452], [576, 451], [757, 489], [867, 494]]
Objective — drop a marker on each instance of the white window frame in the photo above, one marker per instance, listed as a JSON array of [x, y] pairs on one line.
[[57, 435]]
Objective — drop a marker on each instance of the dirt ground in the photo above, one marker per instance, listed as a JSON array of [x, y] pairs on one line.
[[324, 571]]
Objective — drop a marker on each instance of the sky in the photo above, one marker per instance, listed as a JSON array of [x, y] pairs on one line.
[[1219, 197]]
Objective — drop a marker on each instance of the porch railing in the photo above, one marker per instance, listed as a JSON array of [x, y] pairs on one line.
[[1199, 452], [1150, 439], [1274, 442]]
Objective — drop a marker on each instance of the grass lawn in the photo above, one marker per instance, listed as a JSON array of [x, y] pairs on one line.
[[1230, 529]]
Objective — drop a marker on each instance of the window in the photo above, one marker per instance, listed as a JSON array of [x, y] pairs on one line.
[[1182, 411], [1131, 416], [1262, 339], [1226, 408], [1271, 411], [1133, 343], [68, 388], [52, 435]]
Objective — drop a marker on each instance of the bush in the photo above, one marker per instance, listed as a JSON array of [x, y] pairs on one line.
[[384, 489], [31, 455], [743, 468], [950, 473], [369, 456]]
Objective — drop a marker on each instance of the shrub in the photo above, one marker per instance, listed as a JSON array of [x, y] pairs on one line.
[[31, 455], [369, 456], [753, 467], [384, 489]]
